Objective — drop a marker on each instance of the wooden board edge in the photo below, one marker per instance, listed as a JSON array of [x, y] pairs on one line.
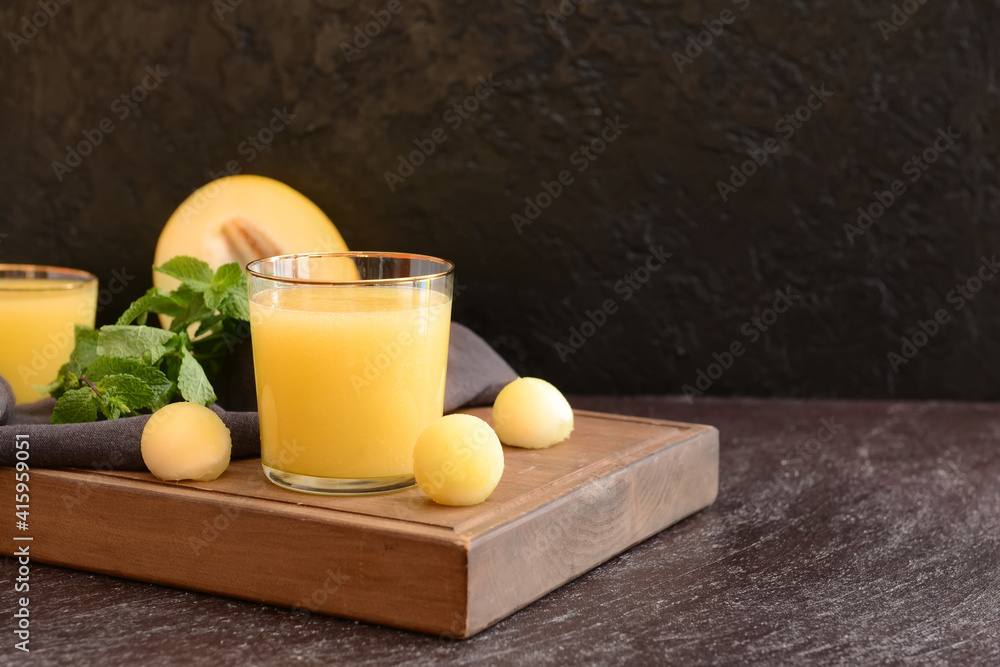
[[473, 528], [637, 419], [512, 567], [420, 581]]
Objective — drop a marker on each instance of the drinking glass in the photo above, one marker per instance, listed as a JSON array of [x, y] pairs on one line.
[[350, 352], [38, 307]]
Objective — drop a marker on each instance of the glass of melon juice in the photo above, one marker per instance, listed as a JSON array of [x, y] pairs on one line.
[[350, 352], [39, 305]]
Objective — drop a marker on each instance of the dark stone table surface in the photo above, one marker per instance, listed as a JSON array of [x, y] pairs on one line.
[[845, 533]]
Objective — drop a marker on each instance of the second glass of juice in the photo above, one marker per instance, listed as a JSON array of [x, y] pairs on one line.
[[350, 355], [39, 306]]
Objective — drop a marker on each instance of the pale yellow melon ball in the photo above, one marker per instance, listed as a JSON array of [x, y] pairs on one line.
[[186, 441], [532, 413], [458, 460]]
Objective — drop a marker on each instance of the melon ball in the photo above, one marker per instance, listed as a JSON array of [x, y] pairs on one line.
[[186, 441], [458, 460], [531, 413]]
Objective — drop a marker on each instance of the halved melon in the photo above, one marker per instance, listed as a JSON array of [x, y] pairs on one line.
[[240, 219]]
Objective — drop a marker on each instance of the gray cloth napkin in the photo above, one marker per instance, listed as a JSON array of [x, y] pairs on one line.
[[476, 374]]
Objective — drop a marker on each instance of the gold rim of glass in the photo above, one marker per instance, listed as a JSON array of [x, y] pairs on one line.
[[450, 268], [71, 278]]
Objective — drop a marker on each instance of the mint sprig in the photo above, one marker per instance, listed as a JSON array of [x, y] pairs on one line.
[[127, 367]]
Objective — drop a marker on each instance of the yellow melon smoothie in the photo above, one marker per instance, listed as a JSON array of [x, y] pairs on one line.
[[39, 306], [350, 367]]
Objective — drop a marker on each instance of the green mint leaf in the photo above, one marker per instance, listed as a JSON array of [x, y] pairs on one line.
[[54, 386], [193, 312], [68, 378], [85, 350], [159, 384], [184, 295], [172, 368], [208, 326], [105, 366], [75, 406], [240, 288], [137, 311], [194, 272], [228, 275], [193, 383], [236, 306], [130, 366], [113, 407], [212, 298], [154, 300], [133, 341], [127, 392], [229, 279]]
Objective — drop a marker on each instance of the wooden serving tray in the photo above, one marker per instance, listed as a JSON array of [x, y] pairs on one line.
[[397, 559]]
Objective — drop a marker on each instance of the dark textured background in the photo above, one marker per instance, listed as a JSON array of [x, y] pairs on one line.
[[655, 185]]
